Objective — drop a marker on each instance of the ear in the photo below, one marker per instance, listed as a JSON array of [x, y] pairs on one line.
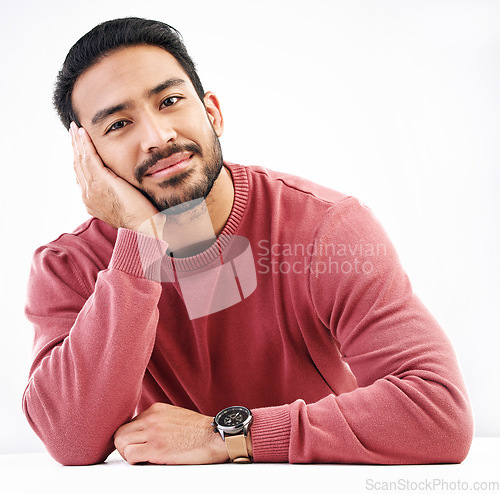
[[214, 114]]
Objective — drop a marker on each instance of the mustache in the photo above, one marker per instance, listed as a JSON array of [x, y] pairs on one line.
[[161, 154]]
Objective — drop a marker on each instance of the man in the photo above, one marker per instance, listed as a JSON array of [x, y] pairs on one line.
[[210, 311]]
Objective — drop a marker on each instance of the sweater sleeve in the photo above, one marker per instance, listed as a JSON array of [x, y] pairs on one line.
[[411, 405], [90, 349]]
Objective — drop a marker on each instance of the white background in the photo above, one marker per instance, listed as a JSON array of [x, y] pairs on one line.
[[396, 102]]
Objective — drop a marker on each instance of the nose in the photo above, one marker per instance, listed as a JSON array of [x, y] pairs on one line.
[[156, 132]]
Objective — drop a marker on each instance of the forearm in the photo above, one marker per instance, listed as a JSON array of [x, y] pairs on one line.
[[390, 422], [410, 405], [89, 383]]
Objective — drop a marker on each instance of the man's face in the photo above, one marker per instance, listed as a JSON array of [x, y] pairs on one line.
[[149, 126]]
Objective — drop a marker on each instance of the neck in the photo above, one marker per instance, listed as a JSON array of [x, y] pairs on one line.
[[191, 232], [220, 201]]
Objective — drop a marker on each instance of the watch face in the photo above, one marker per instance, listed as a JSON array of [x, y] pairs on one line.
[[232, 416]]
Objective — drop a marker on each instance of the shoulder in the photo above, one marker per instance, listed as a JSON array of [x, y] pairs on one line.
[[313, 209], [93, 234], [292, 185], [80, 254]]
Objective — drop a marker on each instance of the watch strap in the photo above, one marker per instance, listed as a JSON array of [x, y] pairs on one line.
[[237, 448]]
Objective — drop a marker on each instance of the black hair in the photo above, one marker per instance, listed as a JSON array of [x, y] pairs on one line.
[[108, 37]]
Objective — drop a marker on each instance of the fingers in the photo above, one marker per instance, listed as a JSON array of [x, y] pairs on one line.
[[89, 153], [131, 445], [86, 154], [133, 439], [130, 428], [77, 159], [87, 164], [136, 453]]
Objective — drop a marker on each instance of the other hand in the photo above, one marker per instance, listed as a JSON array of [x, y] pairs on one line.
[[166, 434]]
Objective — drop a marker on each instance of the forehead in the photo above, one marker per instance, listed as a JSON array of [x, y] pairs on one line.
[[126, 74]]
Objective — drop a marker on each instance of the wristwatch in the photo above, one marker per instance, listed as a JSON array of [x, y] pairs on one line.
[[233, 424]]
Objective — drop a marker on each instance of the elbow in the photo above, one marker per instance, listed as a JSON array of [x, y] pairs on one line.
[[78, 451], [77, 458], [450, 439], [457, 438], [440, 433], [66, 444], [73, 450]]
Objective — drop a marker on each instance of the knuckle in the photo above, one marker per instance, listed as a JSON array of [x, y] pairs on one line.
[[149, 421], [156, 406], [127, 453], [119, 442], [94, 184]]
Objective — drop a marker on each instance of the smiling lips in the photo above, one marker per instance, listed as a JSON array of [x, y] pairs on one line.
[[166, 165]]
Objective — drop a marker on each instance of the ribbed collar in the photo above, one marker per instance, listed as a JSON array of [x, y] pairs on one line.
[[241, 191]]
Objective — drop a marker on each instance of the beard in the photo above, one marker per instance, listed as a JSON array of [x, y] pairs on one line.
[[180, 190]]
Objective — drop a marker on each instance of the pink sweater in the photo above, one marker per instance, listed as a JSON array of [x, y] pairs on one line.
[[336, 356]]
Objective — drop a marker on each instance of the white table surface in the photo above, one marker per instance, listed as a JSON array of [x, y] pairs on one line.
[[39, 473]]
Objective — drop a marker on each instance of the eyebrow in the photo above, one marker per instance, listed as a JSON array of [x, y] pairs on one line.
[[106, 112], [166, 85], [111, 110]]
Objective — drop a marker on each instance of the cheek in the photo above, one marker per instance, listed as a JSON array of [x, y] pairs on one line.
[[196, 126], [203, 134]]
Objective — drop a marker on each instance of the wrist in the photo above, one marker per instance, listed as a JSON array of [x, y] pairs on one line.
[[233, 425], [217, 446], [152, 226]]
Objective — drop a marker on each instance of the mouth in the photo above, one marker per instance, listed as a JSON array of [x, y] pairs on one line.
[[171, 165]]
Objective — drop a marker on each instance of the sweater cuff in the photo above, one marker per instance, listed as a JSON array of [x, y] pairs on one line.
[[138, 254], [270, 433]]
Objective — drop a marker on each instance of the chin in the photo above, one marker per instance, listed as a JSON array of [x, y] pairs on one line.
[[188, 190]]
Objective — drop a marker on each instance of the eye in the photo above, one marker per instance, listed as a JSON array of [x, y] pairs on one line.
[[117, 125], [171, 100]]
